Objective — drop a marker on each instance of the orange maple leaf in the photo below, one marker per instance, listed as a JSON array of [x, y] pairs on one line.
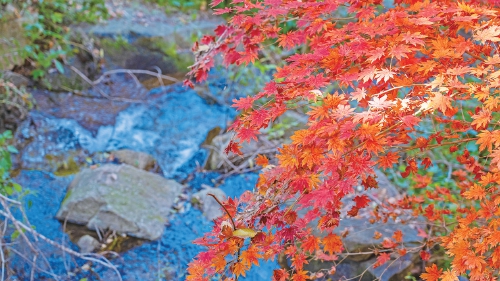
[[332, 243], [239, 269], [432, 273], [449, 275], [441, 102], [486, 139], [398, 236], [481, 120], [251, 255], [476, 192], [300, 276], [219, 262], [388, 160], [310, 244], [261, 160]]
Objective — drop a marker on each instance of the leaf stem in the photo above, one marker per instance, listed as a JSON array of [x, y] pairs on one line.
[[227, 212]]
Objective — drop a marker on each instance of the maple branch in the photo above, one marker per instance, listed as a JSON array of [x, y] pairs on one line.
[[475, 56], [443, 144], [227, 212]]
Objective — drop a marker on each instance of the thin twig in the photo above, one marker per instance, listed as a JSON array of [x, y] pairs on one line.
[[86, 79], [23, 229], [135, 71], [2, 253], [231, 217]]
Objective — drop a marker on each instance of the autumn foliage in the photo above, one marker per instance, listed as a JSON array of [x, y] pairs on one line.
[[384, 86]]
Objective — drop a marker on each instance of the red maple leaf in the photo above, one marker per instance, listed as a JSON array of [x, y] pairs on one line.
[[382, 259], [361, 201]]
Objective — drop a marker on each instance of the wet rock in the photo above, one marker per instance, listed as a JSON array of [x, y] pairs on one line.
[[140, 160], [219, 160], [91, 111], [88, 244], [16, 100], [120, 53], [129, 41], [210, 208], [70, 80], [120, 198]]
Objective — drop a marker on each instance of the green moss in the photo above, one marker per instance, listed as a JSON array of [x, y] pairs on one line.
[[169, 49], [67, 168], [117, 44], [68, 194], [122, 244]]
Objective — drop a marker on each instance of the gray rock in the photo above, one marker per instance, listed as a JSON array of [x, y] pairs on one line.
[[140, 160], [210, 208], [385, 192], [87, 244], [385, 187], [141, 20], [120, 198], [392, 270], [361, 231], [17, 79], [360, 239]]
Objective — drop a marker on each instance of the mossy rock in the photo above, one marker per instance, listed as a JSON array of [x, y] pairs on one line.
[[149, 53], [121, 198], [13, 39]]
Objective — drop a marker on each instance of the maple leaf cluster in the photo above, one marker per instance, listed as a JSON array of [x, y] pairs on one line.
[[392, 70]]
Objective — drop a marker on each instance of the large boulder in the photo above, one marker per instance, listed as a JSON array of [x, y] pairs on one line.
[[359, 241], [121, 198], [360, 236]]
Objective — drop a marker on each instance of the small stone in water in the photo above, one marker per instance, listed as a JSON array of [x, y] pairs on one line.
[[87, 244]]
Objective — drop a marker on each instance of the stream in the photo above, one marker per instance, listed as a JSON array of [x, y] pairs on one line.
[[171, 125]]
